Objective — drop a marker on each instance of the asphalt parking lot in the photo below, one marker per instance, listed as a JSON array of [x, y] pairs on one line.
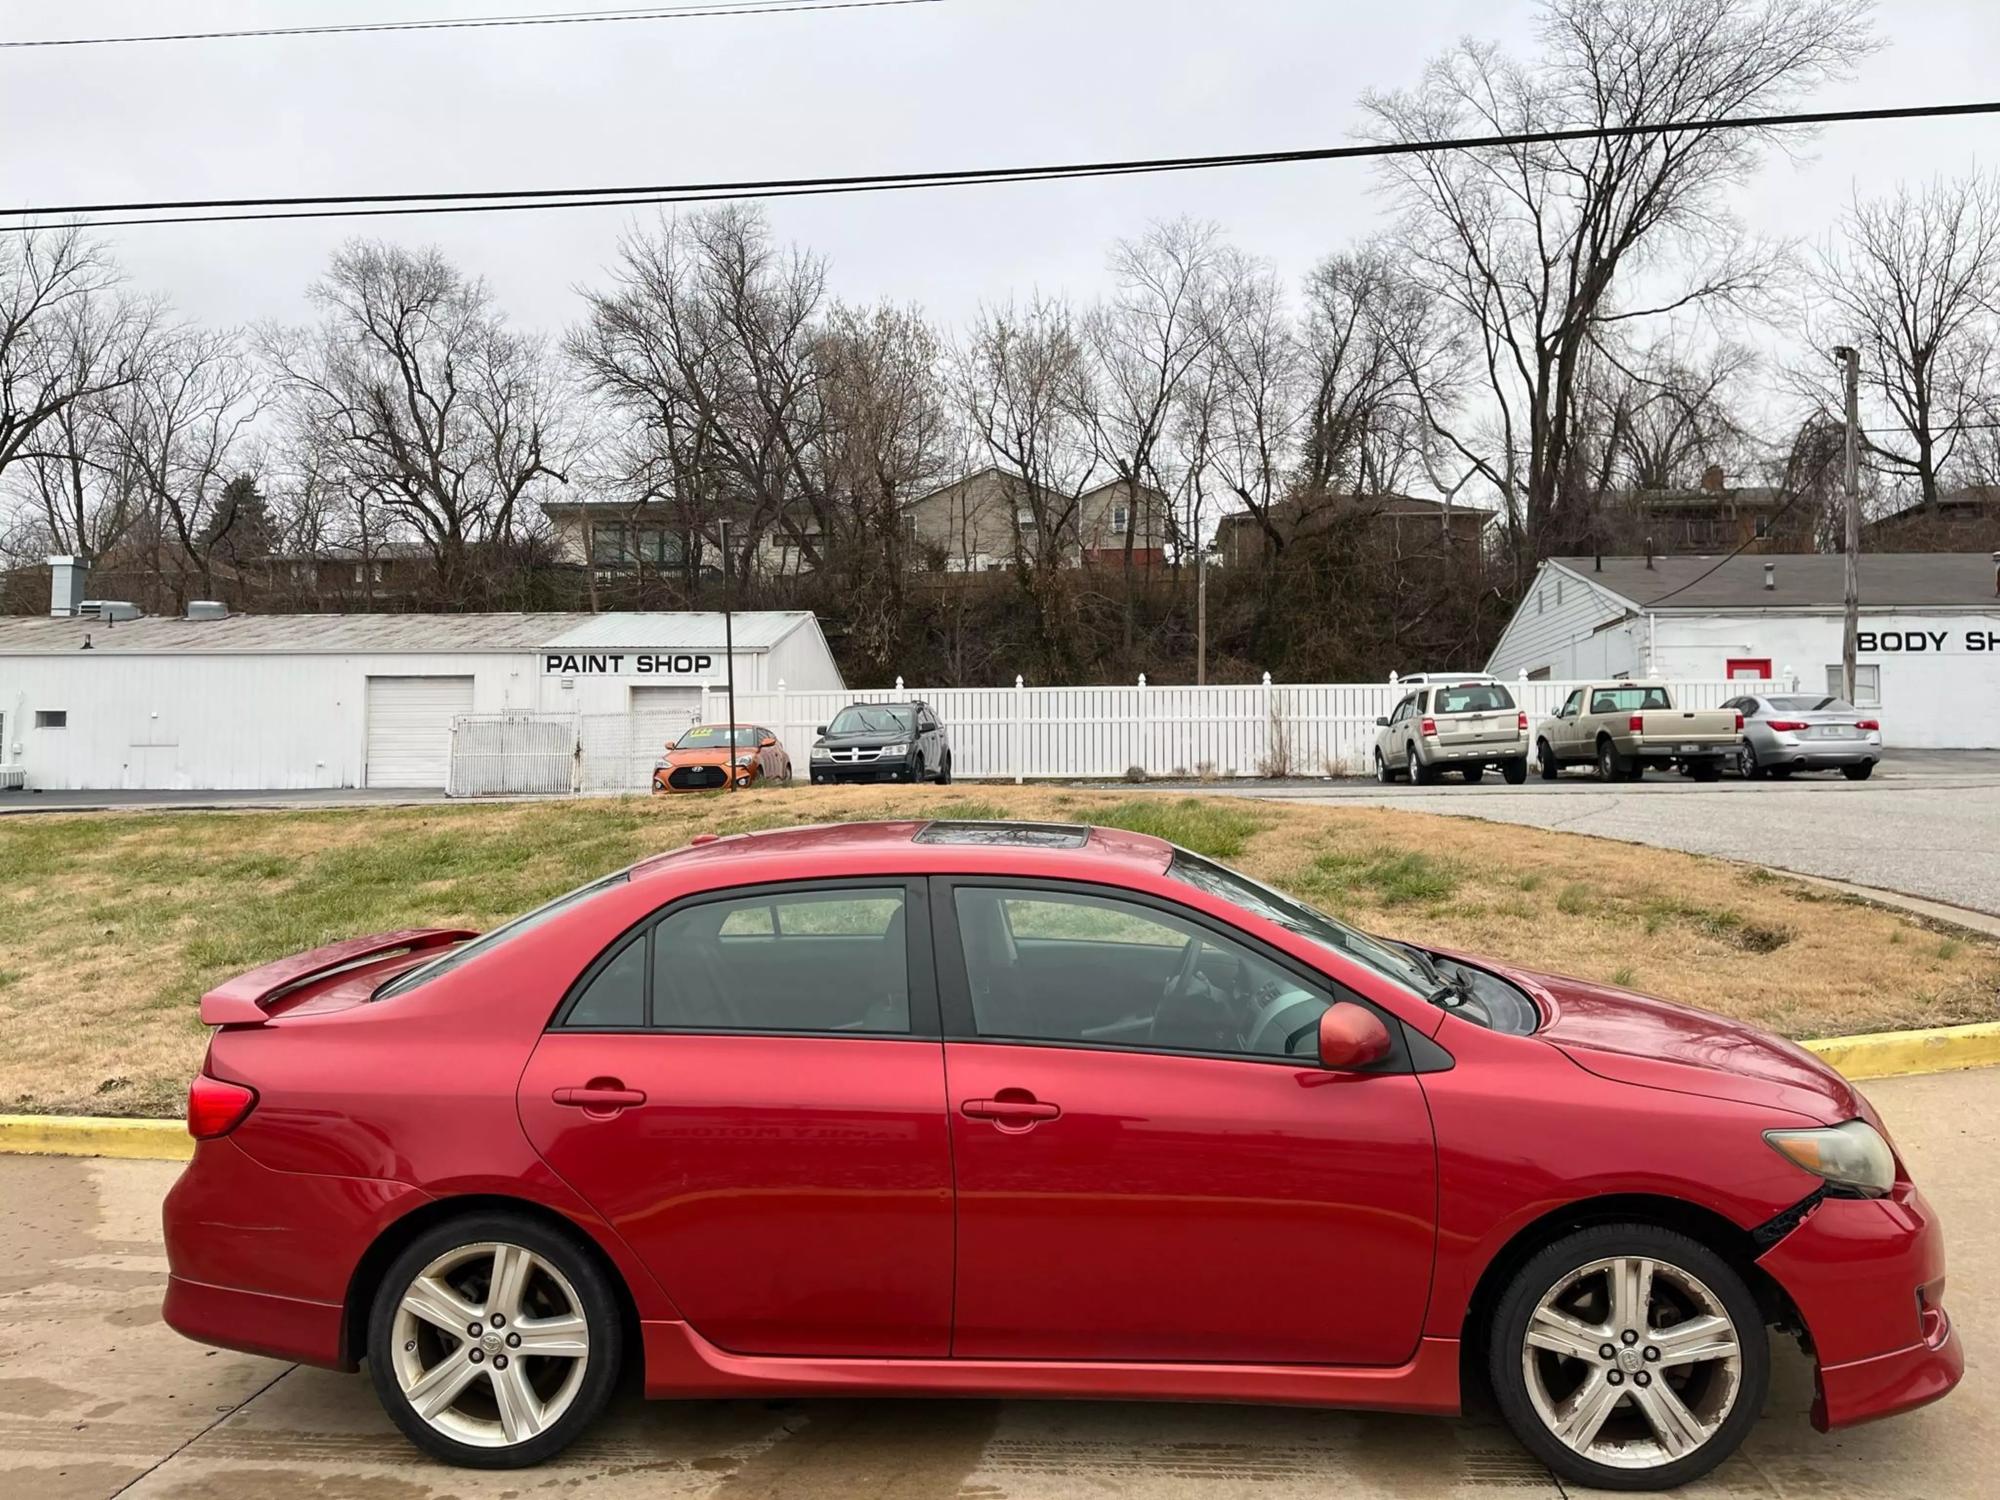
[[99, 1398], [1927, 825]]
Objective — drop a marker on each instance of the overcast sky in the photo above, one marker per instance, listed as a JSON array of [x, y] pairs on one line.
[[966, 82]]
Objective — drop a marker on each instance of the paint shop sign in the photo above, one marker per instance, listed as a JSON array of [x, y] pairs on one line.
[[654, 664], [1975, 641]]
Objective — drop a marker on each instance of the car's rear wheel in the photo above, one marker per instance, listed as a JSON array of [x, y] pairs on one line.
[[1610, 764], [493, 1341], [1628, 1357], [1858, 773], [1546, 762], [1474, 775], [1706, 770], [1418, 773]]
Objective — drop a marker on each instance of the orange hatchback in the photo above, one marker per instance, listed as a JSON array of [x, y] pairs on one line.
[[706, 757]]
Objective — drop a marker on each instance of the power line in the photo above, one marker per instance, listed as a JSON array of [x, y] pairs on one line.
[[200, 210], [482, 23]]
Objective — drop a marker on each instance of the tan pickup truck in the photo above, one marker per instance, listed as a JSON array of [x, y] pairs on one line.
[[1623, 728]]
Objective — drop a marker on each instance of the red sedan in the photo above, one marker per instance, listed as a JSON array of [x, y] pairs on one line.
[[1005, 1109]]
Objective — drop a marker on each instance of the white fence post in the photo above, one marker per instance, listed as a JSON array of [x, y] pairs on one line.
[[1145, 746], [1266, 759], [1020, 729]]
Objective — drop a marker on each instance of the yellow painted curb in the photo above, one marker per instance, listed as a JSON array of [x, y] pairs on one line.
[[1887, 1054], [65, 1135], [1897, 1054]]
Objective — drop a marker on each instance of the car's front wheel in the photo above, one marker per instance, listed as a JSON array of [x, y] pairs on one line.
[[1629, 1357], [493, 1341], [1516, 770]]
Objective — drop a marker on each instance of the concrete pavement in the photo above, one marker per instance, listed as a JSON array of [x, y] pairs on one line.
[[99, 1398]]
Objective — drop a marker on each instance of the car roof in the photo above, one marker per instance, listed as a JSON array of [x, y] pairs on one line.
[[823, 850]]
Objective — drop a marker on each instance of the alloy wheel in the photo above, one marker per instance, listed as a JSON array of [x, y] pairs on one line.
[[1632, 1363], [490, 1344]]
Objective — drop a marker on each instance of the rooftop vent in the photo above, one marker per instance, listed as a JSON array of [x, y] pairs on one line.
[[111, 611], [207, 609]]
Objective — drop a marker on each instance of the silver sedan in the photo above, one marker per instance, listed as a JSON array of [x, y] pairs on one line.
[[1806, 732]]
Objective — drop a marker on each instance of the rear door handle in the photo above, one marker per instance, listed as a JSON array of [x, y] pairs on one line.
[[1010, 1114], [596, 1097]]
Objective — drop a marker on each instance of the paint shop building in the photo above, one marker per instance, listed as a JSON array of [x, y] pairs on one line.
[[1929, 656], [301, 701]]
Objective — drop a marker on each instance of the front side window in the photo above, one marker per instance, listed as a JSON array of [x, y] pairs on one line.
[[788, 962], [1089, 970], [1571, 704]]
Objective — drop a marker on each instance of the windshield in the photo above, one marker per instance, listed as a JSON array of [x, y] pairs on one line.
[[1390, 961], [1811, 705], [1478, 698], [865, 718], [425, 973], [715, 737], [1628, 700]]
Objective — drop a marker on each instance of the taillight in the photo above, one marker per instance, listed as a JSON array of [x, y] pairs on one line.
[[1779, 726], [1636, 724], [216, 1106], [1430, 729], [1739, 723], [1521, 723], [1874, 724]]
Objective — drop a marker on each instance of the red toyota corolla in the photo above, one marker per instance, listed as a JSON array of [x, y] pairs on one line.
[[1008, 1109]]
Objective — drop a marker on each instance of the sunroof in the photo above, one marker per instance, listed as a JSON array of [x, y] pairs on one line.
[[1021, 835]]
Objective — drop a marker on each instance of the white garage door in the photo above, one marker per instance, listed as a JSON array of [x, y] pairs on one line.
[[409, 728], [683, 702]]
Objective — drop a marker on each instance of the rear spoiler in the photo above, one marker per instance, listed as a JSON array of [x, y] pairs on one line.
[[241, 1001]]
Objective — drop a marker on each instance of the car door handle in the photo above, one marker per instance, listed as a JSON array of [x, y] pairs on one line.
[[1010, 1114], [599, 1097]]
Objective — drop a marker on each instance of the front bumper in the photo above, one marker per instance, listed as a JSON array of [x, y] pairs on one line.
[[826, 772], [1867, 1278], [701, 778]]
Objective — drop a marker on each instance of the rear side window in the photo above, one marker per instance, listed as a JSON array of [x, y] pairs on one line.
[[616, 999], [808, 961], [1475, 699]]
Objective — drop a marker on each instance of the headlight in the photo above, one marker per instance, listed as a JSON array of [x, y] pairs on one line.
[[820, 752], [746, 760], [661, 765], [1853, 1158], [895, 749]]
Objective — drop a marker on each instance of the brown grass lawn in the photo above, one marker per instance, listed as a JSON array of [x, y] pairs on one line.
[[115, 923]]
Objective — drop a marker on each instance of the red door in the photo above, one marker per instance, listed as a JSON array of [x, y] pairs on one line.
[[792, 1194], [1122, 1199]]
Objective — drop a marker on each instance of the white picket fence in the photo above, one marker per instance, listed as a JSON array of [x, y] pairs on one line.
[[1020, 733]]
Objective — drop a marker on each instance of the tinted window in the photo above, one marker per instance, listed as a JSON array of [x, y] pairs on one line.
[[814, 961], [1059, 966], [1627, 700], [1481, 698], [616, 998]]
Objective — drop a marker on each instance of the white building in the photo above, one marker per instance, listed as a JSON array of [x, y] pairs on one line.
[[1929, 655], [295, 701]]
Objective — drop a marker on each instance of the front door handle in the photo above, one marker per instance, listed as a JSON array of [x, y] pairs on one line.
[[1014, 1110], [599, 1098]]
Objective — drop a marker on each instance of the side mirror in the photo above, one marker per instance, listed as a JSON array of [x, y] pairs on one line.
[[1381, 723], [1351, 1037], [767, 742], [821, 731]]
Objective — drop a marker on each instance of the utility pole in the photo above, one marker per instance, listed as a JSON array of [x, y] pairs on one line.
[[1850, 360], [1200, 615], [728, 651]]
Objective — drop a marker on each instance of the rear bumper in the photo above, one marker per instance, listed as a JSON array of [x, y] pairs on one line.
[[1473, 755], [1824, 753], [257, 1323], [1699, 750], [1867, 1277]]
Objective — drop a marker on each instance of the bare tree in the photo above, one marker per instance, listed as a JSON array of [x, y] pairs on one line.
[[423, 406], [1144, 344], [1913, 282], [1543, 251]]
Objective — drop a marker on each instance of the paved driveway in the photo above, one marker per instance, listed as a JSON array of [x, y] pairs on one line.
[[1927, 825], [99, 1398]]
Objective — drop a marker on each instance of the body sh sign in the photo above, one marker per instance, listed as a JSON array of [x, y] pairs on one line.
[[1973, 641]]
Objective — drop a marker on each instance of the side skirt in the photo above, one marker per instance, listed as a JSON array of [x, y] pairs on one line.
[[680, 1363]]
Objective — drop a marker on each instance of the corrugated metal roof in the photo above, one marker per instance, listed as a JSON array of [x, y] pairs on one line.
[[1889, 580], [28, 635]]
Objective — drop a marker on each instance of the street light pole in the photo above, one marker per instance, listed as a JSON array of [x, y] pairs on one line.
[[728, 651], [1850, 360]]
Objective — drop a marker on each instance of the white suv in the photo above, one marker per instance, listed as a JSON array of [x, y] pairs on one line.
[[1469, 724]]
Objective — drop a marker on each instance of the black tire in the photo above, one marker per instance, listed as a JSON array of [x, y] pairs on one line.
[[1515, 770], [1746, 762], [1473, 775], [944, 770], [596, 1301], [916, 772], [1382, 772], [1610, 764], [1706, 770], [1534, 1280], [1546, 762], [1419, 773], [1858, 773]]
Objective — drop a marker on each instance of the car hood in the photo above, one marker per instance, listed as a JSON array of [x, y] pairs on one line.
[[703, 757], [867, 741], [1652, 1043]]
